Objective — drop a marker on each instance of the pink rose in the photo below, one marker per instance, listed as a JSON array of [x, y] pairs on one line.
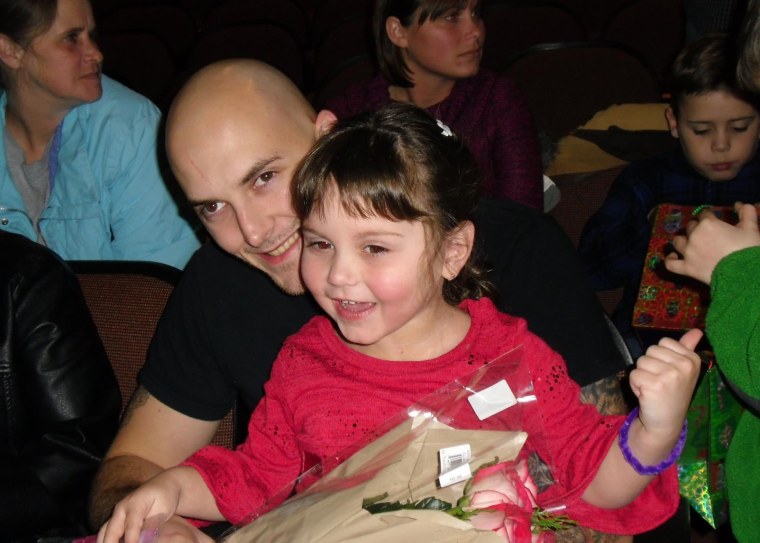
[[507, 493]]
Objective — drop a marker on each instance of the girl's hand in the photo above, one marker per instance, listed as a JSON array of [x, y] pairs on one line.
[[664, 381], [157, 498], [709, 239]]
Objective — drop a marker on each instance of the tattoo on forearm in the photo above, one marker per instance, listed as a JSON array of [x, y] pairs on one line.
[[606, 395], [580, 534], [138, 400]]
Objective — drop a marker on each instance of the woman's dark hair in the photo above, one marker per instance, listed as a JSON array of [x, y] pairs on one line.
[[389, 56], [24, 20], [706, 65], [398, 164]]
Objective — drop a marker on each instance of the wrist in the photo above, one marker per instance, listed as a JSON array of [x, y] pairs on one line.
[[640, 467]]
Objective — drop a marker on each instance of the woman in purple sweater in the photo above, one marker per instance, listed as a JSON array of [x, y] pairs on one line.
[[429, 53]]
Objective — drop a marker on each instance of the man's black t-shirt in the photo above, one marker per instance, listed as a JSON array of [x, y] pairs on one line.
[[225, 321]]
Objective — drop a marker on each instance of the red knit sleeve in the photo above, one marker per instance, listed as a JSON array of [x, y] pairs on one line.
[[579, 439], [261, 469]]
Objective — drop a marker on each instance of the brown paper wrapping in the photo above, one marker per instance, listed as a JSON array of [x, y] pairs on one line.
[[403, 463]]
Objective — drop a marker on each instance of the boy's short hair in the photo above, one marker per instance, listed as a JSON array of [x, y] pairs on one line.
[[705, 65]]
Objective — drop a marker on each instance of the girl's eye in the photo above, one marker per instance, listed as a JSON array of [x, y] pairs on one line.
[[740, 129], [263, 179], [375, 249], [701, 131], [72, 37], [319, 245]]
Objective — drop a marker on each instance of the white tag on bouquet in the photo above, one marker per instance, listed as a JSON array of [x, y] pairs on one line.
[[455, 464], [455, 456], [492, 400], [462, 473]]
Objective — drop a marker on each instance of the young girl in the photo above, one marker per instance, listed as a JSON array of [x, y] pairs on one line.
[[386, 201], [429, 52]]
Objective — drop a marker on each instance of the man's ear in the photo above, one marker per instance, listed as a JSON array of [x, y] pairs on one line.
[[670, 116], [10, 52], [458, 246], [396, 32], [325, 121]]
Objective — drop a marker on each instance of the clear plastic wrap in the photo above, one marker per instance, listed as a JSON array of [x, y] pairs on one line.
[[481, 415]]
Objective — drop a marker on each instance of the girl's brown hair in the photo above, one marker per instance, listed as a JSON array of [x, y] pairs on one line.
[[400, 164]]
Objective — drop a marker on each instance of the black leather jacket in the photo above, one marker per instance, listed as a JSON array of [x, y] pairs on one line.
[[60, 400]]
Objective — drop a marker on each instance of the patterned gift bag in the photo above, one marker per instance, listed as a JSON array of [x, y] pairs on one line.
[[671, 304], [712, 418], [667, 301]]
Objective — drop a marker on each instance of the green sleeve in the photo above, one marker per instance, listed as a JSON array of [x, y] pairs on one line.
[[733, 319]]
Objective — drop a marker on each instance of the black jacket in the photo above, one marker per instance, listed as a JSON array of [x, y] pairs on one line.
[[60, 400]]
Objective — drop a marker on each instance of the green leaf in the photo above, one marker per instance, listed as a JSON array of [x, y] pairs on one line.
[[543, 521], [431, 503], [370, 501]]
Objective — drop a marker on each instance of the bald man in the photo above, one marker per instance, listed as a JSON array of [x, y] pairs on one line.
[[235, 134]]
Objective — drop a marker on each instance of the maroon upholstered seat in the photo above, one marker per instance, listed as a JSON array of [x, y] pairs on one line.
[[566, 83], [126, 300]]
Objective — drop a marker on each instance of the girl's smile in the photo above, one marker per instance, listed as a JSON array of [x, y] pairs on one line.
[[377, 280]]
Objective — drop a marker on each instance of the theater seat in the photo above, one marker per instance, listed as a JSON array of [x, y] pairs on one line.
[[566, 83], [126, 300]]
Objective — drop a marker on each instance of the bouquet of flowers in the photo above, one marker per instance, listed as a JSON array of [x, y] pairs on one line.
[[451, 467], [500, 497]]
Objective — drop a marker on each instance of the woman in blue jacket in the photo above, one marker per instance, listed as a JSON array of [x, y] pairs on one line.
[[78, 165]]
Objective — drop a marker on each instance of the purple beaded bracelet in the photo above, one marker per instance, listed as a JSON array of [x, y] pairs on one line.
[[634, 462]]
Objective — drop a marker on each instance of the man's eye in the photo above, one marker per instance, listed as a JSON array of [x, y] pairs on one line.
[[701, 131], [211, 208], [72, 37]]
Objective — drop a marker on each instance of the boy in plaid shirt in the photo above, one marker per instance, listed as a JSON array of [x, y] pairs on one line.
[[718, 127]]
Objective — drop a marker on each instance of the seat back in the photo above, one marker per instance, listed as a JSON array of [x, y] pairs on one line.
[[171, 22], [140, 60], [664, 21], [347, 72], [593, 13], [126, 300], [268, 42], [566, 83], [236, 12], [511, 28], [329, 14], [350, 39]]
